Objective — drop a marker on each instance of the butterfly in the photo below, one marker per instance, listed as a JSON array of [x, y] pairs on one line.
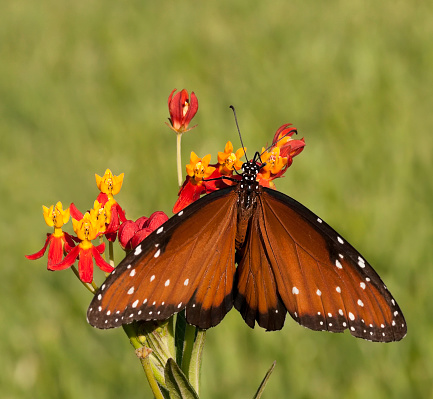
[[288, 261]]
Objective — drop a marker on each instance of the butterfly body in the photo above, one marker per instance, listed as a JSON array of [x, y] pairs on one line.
[[288, 261]]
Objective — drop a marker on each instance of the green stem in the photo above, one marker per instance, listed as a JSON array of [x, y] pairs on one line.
[[145, 361], [179, 160], [91, 287], [111, 253]]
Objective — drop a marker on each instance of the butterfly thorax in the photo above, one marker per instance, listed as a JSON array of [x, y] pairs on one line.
[[248, 189]]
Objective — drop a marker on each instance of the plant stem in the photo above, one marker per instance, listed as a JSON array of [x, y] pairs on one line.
[[145, 361], [179, 159], [111, 253], [91, 287]]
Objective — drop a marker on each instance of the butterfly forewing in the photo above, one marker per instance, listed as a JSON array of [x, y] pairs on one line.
[[182, 264], [323, 281]]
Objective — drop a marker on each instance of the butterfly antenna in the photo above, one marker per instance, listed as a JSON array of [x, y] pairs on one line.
[[239, 131]]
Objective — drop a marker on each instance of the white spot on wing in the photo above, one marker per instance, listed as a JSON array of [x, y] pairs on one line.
[[360, 303], [131, 290], [338, 264], [319, 220], [340, 240], [160, 230], [318, 292], [152, 278], [180, 213], [338, 289], [137, 250], [340, 311], [295, 291], [362, 284], [157, 253], [134, 305], [186, 282], [132, 274], [167, 283], [351, 316]]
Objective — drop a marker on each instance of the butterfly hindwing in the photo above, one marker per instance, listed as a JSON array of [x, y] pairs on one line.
[[323, 281], [174, 268], [256, 297]]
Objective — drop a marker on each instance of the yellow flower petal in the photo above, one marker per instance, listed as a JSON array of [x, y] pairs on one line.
[[109, 184]]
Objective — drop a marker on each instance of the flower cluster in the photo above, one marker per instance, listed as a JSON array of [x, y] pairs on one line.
[[106, 218], [204, 177]]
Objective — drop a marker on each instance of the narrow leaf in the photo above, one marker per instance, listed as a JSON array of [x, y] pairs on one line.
[[177, 383], [195, 360], [264, 382]]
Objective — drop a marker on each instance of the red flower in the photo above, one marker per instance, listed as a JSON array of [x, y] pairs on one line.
[[132, 233], [288, 147], [55, 217], [110, 212], [87, 229], [55, 245], [193, 186], [182, 110]]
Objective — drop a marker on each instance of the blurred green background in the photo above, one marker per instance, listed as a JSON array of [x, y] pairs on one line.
[[84, 87]]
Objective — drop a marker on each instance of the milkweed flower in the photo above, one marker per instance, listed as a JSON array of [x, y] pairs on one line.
[[194, 185], [276, 161], [228, 163], [87, 229], [182, 109], [110, 185], [55, 217], [229, 160], [274, 166], [289, 146], [132, 233]]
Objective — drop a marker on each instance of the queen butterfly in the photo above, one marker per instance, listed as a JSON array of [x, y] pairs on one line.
[[288, 260]]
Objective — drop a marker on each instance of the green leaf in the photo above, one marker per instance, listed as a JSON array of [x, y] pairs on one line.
[[195, 358], [177, 383], [264, 382]]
